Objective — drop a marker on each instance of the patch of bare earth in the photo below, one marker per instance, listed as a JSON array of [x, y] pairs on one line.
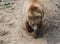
[[12, 28]]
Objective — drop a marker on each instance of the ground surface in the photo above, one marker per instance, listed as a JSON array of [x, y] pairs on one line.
[[11, 24]]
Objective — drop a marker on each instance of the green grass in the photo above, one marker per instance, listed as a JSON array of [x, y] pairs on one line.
[[7, 5]]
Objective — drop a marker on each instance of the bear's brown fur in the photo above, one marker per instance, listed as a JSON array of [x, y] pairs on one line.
[[34, 13]]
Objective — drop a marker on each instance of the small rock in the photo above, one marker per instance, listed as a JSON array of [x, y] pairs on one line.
[[2, 33], [2, 42], [58, 6]]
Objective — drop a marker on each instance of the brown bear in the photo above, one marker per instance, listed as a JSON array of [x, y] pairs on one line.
[[34, 14]]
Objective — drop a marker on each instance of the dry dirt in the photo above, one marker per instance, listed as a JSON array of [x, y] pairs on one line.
[[11, 23]]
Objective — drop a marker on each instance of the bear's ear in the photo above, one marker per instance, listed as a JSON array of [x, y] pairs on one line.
[[40, 11]]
